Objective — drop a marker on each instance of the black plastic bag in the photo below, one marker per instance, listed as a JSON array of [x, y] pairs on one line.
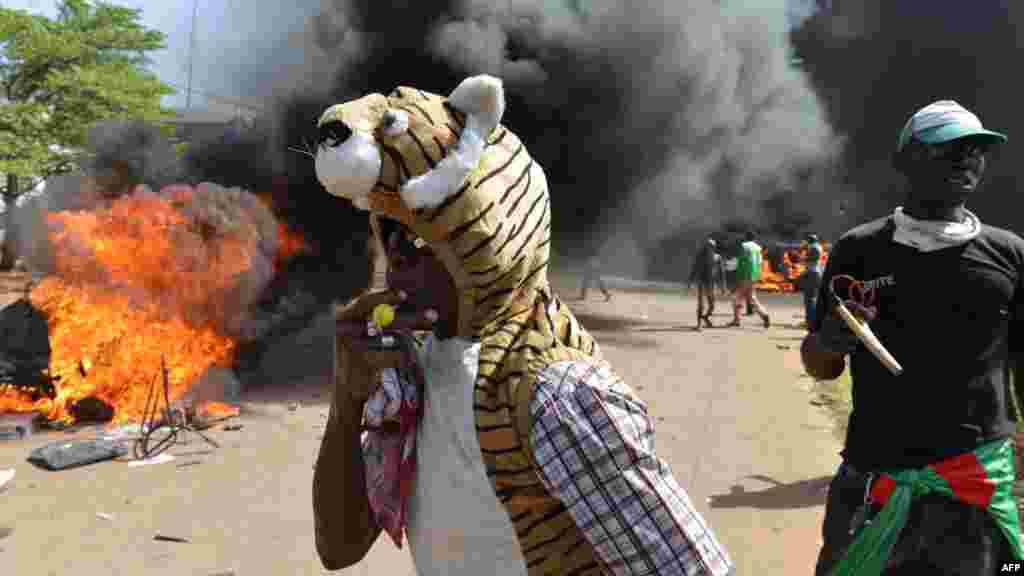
[[66, 454], [25, 349]]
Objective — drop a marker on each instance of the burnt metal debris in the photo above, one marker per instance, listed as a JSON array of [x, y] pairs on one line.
[[162, 428], [25, 350], [65, 454]]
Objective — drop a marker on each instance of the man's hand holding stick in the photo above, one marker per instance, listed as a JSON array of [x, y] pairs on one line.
[[823, 352], [864, 333]]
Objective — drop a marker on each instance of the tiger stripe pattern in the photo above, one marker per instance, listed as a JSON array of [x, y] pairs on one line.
[[493, 234]]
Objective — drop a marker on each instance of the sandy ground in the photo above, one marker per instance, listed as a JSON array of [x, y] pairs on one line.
[[734, 415]]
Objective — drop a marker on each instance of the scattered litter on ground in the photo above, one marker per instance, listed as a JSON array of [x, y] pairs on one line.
[[162, 538], [105, 516], [293, 406], [5, 477], [188, 463], [233, 427], [783, 347], [123, 433], [158, 459], [65, 454], [126, 436], [57, 425]]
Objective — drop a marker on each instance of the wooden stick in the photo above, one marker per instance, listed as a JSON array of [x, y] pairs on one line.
[[871, 342]]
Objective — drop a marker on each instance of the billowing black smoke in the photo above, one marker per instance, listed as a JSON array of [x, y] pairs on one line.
[[874, 62], [118, 156], [651, 119], [334, 264], [647, 117], [122, 154]]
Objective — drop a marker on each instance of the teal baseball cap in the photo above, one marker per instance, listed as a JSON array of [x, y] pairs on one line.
[[943, 121]]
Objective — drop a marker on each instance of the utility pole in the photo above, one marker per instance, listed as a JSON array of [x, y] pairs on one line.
[[191, 55]]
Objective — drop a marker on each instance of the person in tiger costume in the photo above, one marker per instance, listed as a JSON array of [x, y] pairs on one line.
[[513, 448]]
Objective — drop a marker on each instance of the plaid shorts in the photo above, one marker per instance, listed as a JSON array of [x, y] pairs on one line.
[[594, 443]]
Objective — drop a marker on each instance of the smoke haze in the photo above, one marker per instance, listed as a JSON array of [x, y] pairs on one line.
[[651, 119], [648, 118], [875, 62], [672, 115]]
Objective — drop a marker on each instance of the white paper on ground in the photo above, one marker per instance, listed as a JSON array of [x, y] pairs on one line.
[[158, 459], [5, 477], [126, 432]]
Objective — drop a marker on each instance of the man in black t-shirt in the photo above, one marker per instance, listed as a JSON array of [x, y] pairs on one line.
[[945, 295], [707, 268]]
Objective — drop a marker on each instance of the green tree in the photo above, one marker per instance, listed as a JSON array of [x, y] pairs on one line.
[[60, 76]]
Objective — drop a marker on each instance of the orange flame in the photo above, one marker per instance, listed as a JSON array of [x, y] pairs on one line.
[[289, 242], [107, 346], [135, 281], [218, 410], [793, 266]]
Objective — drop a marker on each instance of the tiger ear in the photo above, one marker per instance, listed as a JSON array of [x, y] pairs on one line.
[[482, 100]]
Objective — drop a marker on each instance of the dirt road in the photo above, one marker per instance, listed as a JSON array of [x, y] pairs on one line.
[[734, 416]]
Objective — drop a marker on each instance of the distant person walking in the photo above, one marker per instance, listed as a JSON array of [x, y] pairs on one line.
[[706, 270], [592, 275], [810, 280], [748, 273]]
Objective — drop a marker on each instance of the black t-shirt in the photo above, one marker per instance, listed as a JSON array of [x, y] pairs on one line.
[[705, 267], [954, 319]]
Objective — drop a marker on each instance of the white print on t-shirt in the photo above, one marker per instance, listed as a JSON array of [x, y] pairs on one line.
[[882, 282]]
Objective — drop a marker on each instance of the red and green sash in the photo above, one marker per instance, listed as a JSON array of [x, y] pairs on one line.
[[982, 478]]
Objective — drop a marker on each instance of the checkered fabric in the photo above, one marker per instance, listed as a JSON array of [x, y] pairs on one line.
[[593, 441]]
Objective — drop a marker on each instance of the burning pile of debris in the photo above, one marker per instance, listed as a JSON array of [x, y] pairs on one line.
[[142, 277], [25, 350], [782, 272]]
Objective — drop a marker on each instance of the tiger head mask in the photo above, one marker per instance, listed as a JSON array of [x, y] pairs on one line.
[[455, 177]]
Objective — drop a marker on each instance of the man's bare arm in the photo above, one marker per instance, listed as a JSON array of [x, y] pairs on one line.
[[345, 528], [824, 350]]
